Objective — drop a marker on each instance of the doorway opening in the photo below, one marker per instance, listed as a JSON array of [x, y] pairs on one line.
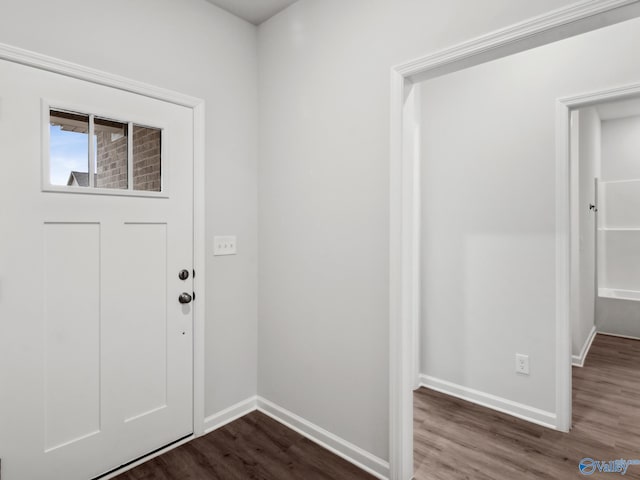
[[534, 261], [605, 138]]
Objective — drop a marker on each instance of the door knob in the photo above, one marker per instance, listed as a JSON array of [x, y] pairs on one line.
[[183, 275], [184, 298]]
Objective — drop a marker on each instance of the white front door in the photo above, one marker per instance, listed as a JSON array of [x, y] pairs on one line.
[[95, 347]]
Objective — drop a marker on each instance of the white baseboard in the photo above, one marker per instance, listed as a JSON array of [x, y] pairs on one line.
[[520, 410], [578, 360], [350, 452], [630, 337], [228, 415]]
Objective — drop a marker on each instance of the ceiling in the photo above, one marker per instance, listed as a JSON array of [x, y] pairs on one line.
[[254, 11]]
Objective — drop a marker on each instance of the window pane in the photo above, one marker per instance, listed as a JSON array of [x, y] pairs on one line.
[[147, 143], [69, 148], [110, 140]]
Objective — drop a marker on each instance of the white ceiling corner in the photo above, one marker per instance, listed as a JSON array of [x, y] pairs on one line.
[[254, 11]]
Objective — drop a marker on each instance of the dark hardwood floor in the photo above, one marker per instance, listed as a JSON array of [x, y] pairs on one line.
[[455, 439], [253, 447]]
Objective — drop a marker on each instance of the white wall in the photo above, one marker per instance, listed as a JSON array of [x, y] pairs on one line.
[[621, 149], [195, 48], [489, 210], [589, 152], [324, 199]]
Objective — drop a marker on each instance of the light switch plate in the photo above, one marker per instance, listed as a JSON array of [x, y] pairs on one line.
[[224, 245]]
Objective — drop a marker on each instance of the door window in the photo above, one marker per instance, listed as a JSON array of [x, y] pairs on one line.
[[102, 154]]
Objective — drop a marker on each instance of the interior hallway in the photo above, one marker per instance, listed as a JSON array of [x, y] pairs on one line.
[[455, 439]]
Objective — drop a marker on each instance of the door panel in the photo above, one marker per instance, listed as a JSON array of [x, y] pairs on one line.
[[72, 332], [146, 379], [95, 349]]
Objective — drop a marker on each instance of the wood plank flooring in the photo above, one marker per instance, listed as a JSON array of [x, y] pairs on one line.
[[252, 447], [455, 439]]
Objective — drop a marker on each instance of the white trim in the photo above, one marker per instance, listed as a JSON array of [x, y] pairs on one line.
[[92, 154], [618, 335], [563, 347], [45, 141], [400, 351], [602, 96], [49, 104], [500, 404], [350, 452], [88, 74], [69, 69], [411, 149], [571, 20], [199, 266], [617, 229], [564, 359], [625, 180], [327, 440], [112, 192], [228, 415], [578, 360], [344, 449], [130, 158], [504, 37]]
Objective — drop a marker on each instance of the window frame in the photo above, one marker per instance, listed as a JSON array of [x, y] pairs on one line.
[[46, 185]]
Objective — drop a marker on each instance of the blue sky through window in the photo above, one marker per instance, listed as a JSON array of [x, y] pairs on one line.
[[69, 151]]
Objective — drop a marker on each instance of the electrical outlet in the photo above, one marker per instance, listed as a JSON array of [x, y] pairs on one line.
[[225, 245], [522, 364]]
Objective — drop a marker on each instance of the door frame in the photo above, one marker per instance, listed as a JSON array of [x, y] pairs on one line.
[[197, 105], [567, 166], [574, 19]]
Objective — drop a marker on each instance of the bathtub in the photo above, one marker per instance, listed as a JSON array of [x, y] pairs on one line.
[[618, 312]]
